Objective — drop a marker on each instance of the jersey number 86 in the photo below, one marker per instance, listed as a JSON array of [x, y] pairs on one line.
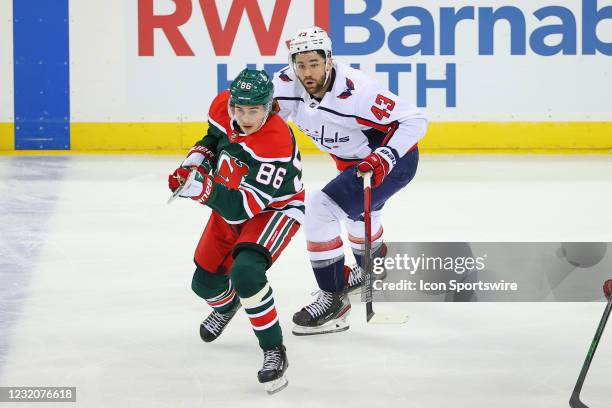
[[269, 173]]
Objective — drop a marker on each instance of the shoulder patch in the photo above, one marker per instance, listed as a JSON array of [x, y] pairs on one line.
[[283, 75], [217, 114], [273, 142], [348, 91]]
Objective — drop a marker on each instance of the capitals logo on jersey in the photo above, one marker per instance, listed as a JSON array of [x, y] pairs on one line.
[[348, 91], [230, 171], [329, 141]]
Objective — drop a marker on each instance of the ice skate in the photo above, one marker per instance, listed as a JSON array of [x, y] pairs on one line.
[[327, 314], [272, 373], [215, 323]]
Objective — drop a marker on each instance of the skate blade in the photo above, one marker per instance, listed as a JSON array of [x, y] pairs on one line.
[[274, 386], [388, 318], [334, 326]]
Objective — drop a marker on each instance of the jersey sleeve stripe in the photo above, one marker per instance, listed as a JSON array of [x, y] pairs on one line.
[[392, 128], [388, 129]]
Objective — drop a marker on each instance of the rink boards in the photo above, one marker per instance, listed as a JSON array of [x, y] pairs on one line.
[[504, 77]]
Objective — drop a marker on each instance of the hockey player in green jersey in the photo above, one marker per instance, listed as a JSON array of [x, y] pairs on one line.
[[247, 168]]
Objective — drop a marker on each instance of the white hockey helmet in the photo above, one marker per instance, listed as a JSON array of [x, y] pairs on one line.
[[310, 39]]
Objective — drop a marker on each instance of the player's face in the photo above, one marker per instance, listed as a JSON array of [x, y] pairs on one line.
[[249, 118], [310, 69]]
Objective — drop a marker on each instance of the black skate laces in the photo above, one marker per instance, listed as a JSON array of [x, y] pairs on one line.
[[320, 306], [216, 321], [272, 359]]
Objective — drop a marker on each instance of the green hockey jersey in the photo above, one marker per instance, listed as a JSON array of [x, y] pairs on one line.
[[254, 173]]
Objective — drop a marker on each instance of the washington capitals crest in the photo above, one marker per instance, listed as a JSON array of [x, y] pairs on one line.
[[348, 91]]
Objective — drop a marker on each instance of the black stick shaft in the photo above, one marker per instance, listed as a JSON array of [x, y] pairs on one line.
[[367, 256], [575, 399]]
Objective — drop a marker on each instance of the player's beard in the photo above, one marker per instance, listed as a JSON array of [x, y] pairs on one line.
[[319, 86]]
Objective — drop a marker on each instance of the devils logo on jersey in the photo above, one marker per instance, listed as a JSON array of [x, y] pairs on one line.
[[230, 171]]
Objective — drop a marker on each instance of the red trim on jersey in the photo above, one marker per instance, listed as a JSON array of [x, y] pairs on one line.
[[359, 240], [369, 123], [261, 321], [392, 128], [342, 164], [218, 110], [388, 129], [280, 204], [324, 246], [251, 201], [273, 140]]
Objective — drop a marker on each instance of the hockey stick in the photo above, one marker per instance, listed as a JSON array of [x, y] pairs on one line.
[[367, 256], [179, 190], [373, 318], [575, 398]]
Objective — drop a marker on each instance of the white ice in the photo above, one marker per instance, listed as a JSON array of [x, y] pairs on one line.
[[95, 273]]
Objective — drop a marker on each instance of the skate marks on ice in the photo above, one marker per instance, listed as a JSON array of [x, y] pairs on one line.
[[29, 189]]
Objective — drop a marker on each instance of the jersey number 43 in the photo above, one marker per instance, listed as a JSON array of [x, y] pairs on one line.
[[382, 106]]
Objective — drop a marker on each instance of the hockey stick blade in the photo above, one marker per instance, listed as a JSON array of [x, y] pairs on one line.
[[387, 318], [179, 190], [576, 403]]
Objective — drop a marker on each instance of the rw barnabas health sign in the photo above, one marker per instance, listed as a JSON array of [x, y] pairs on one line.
[[428, 44]]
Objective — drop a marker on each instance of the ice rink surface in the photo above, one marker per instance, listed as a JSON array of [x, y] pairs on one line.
[[95, 273]]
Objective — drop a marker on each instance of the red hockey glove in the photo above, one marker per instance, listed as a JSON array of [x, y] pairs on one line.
[[199, 156], [380, 162], [199, 188], [608, 289]]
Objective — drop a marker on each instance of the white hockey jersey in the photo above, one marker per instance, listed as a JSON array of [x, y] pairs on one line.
[[356, 116]]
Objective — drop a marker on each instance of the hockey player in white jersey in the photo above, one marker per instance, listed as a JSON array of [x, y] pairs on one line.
[[364, 127]]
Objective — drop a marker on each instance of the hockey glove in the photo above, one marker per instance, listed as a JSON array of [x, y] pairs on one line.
[[199, 188], [199, 156], [380, 162], [608, 289]]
